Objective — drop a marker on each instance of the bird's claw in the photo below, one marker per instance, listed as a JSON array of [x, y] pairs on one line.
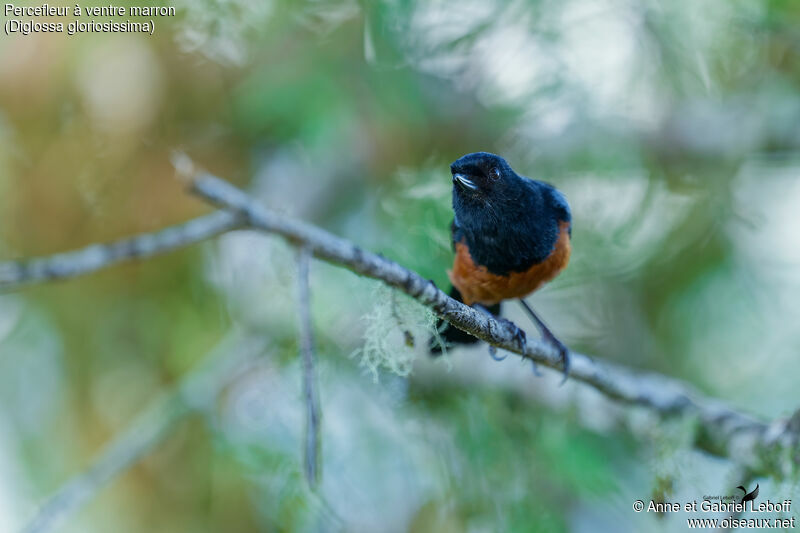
[[520, 337], [493, 353], [523, 343]]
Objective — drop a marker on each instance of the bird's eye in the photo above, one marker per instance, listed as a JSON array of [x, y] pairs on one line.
[[495, 173]]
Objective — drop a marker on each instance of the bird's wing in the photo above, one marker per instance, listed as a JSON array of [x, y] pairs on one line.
[[753, 495]]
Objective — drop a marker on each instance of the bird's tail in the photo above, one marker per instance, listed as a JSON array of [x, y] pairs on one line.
[[449, 335]]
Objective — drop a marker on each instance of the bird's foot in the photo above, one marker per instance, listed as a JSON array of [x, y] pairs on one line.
[[492, 348], [520, 337]]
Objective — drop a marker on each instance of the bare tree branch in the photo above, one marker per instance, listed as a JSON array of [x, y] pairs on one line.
[[764, 448], [15, 274], [194, 392], [770, 449], [312, 440]]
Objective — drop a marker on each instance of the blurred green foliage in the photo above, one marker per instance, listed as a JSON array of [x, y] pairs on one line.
[[672, 127]]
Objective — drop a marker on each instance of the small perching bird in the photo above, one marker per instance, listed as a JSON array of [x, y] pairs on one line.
[[511, 234]]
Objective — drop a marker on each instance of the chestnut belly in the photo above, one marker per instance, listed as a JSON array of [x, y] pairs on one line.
[[477, 285]]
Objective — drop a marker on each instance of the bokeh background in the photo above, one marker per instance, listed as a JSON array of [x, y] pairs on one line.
[[672, 127]]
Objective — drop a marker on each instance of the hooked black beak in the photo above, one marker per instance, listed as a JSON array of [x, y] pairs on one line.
[[464, 182]]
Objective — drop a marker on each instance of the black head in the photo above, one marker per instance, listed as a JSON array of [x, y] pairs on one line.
[[480, 175], [509, 222]]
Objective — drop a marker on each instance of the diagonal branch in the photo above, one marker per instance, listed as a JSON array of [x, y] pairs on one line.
[[763, 448], [312, 440], [771, 449]]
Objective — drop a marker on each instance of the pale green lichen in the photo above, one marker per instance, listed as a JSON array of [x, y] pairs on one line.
[[397, 328], [669, 454]]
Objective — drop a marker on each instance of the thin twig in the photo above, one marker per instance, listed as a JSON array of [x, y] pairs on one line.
[[312, 430], [15, 274], [193, 392]]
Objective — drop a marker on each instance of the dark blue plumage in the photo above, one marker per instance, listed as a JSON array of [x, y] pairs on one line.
[[509, 222], [511, 234]]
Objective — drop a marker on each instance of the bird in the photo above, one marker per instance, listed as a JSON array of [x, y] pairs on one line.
[[511, 234]]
